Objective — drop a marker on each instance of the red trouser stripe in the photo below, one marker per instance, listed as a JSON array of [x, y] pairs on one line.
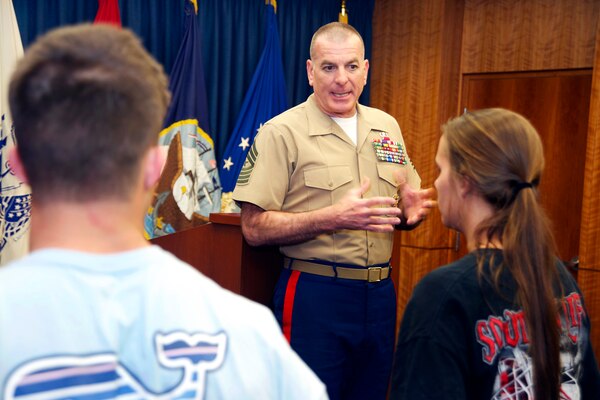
[[288, 305]]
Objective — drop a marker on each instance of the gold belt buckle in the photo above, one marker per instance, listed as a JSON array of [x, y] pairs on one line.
[[374, 274]]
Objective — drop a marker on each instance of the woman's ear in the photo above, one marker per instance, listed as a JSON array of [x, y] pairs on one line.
[[16, 165], [466, 186], [153, 166]]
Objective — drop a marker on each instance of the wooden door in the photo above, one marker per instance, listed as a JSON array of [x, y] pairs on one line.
[[557, 104]]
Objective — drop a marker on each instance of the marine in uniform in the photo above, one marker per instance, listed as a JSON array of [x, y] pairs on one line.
[[334, 299]]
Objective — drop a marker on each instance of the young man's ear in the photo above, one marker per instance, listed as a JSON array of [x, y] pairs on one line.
[[16, 165], [153, 166]]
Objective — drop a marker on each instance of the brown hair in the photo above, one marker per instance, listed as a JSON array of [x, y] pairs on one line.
[[87, 103], [501, 153], [334, 31]]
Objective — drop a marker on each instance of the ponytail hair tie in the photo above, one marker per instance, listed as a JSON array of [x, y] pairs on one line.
[[518, 186]]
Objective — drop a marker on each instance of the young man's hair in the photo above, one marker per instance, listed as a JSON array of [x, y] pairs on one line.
[[336, 31], [87, 102]]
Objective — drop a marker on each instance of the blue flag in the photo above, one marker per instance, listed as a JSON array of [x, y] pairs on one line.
[[189, 188], [265, 99]]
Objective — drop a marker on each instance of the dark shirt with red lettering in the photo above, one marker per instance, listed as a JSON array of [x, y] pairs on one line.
[[461, 338]]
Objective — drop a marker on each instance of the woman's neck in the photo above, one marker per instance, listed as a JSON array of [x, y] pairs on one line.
[[475, 211]]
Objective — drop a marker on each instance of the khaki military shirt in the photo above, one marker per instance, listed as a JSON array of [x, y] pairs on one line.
[[302, 161]]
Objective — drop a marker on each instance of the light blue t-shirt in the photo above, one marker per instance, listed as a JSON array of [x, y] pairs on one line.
[[137, 325]]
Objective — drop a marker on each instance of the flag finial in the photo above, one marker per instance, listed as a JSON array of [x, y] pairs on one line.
[[343, 16], [195, 3], [272, 3]]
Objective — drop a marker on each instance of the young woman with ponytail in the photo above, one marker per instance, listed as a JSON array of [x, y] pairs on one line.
[[507, 321]]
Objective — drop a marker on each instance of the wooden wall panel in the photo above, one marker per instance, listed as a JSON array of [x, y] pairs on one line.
[[415, 77], [589, 278], [557, 104], [527, 35], [420, 51]]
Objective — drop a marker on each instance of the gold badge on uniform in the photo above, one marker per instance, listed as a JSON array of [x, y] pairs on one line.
[[388, 150]]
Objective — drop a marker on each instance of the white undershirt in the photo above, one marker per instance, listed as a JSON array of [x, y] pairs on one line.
[[349, 125]]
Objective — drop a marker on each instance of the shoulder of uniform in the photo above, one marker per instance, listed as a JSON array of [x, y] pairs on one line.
[[290, 117], [373, 111], [377, 117]]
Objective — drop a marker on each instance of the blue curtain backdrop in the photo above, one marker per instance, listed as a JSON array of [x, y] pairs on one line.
[[232, 40]]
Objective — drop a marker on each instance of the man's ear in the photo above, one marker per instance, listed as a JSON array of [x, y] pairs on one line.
[[310, 71], [16, 165], [153, 166]]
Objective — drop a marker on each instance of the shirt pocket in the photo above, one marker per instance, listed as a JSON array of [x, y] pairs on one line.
[[387, 182], [326, 185]]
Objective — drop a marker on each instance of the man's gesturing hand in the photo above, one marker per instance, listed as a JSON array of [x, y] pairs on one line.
[[377, 214]]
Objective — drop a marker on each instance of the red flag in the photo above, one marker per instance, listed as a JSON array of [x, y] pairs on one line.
[[108, 12]]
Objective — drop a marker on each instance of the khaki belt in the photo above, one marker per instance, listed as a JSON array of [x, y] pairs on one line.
[[369, 274]]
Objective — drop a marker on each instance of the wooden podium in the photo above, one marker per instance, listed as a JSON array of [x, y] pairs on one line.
[[219, 251]]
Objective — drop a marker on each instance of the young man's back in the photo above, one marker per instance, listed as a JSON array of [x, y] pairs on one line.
[[139, 322]]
